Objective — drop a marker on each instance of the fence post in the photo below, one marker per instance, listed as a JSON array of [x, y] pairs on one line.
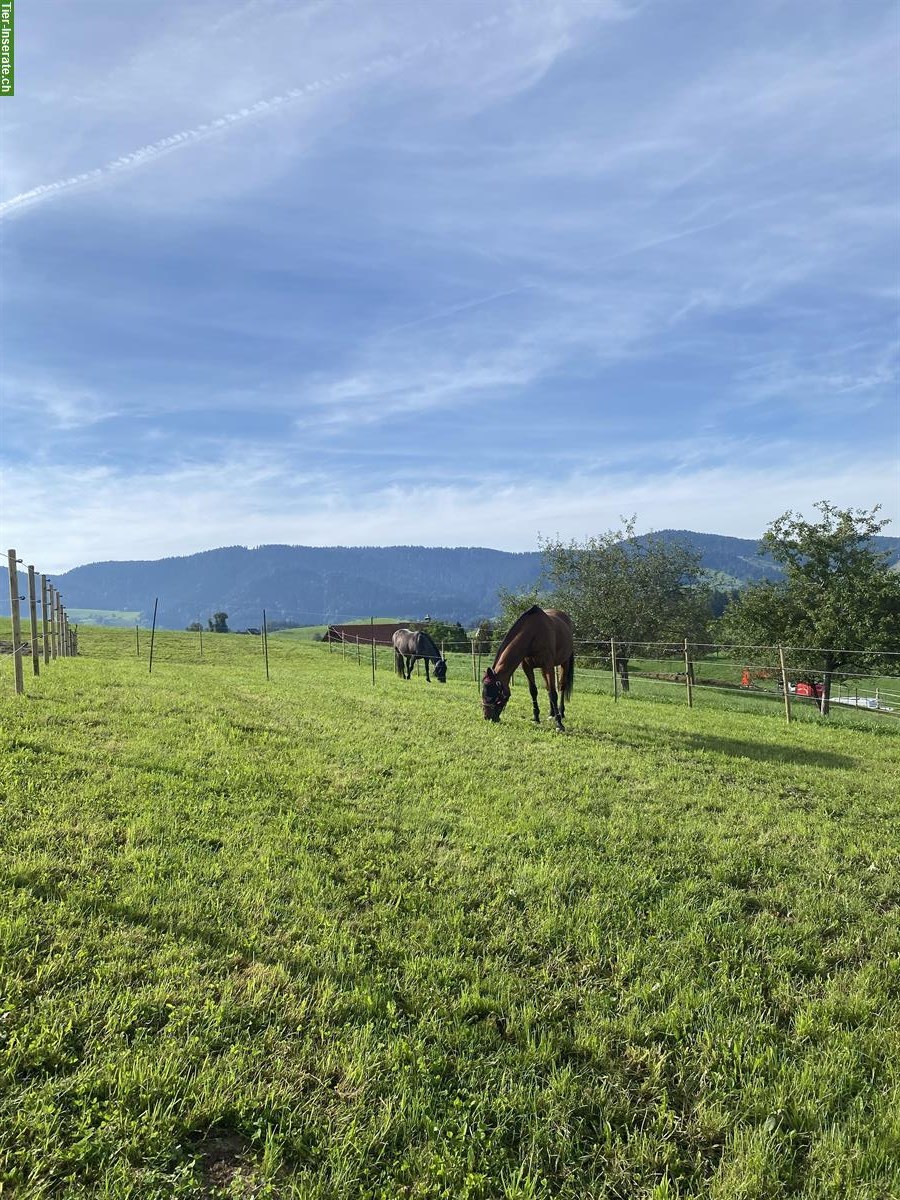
[[137, 638], [265, 639], [153, 634], [372, 627], [358, 652], [200, 631], [51, 617], [612, 655], [45, 624], [60, 627], [784, 685], [16, 623], [32, 612], [687, 675], [474, 667]]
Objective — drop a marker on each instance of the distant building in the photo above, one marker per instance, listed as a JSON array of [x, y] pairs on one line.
[[364, 633]]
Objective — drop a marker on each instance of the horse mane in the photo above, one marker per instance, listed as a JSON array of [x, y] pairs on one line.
[[430, 642], [514, 629]]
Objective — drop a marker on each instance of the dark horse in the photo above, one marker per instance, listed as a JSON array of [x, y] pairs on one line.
[[542, 638], [410, 644]]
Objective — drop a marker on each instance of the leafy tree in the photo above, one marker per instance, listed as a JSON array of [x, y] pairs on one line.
[[484, 636], [630, 589], [513, 604], [450, 633], [218, 623], [838, 601], [194, 627]]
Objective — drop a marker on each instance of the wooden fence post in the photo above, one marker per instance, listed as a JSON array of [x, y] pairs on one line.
[[372, 627], [688, 679], [60, 632], [153, 634], [265, 639], [474, 667], [784, 684], [51, 617], [612, 655], [45, 624], [16, 622], [32, 612]]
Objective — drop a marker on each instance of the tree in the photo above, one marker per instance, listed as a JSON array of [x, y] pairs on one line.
[[484, 636], [838, 602], [218, 623], [451, 634], [194, 627], [630, 589], [513, 604]]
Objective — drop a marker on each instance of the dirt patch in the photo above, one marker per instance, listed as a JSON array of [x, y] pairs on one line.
[[226, 1168]]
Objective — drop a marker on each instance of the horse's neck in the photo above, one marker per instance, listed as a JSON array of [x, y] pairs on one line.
[[511, 657], [431, 651]]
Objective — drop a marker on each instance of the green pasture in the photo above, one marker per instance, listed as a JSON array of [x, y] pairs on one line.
[[102, 616], [308, 633], [314, 938]]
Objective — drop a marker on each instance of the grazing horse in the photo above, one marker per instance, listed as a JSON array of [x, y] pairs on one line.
[[542, 638], [411, 644]]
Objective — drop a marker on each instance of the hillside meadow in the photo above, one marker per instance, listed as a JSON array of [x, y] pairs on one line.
[[311, 938]]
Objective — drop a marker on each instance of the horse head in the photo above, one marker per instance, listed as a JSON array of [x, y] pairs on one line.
[[440, 670], [494, 695]]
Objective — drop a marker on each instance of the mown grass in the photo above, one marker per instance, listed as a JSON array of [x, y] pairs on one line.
[[312, 938]]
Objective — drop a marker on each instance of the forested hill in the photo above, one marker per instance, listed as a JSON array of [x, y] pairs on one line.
[[308, 585]]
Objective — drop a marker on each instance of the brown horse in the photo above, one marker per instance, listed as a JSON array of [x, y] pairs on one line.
[[542, 638]]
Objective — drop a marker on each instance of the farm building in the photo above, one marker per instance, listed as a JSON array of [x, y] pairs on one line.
[[382, 633]]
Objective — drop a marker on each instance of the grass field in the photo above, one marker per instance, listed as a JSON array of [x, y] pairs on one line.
[[310, 938], [102, 616]]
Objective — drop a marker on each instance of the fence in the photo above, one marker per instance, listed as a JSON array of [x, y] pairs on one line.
[[764, 673], [56, 637], [681, 671]]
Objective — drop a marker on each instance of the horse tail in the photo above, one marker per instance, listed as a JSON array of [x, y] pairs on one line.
[[399, 664], [569, 679]]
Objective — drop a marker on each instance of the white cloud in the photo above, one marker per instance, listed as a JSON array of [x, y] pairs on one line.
[[60, 520]]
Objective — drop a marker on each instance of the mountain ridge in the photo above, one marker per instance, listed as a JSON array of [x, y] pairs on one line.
[[308, 585]]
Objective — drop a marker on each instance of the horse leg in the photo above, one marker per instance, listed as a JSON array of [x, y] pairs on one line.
[[561, 689], [550, 681], [427, 676], [532, 687], [409, 665]]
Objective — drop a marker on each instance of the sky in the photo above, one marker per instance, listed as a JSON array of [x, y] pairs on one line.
[[347, 272]]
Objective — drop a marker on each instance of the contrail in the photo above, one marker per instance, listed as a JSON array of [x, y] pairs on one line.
[[458, 308], [189, 137]]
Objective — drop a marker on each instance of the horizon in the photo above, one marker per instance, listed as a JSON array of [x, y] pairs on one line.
[[461, 275], [396, 546]]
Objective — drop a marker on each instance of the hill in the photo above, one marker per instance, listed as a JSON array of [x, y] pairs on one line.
[[306, 585]]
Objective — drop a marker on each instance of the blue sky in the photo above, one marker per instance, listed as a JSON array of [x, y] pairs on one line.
[[381, 271]]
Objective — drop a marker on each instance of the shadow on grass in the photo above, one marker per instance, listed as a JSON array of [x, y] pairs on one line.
[[692, 743], [760, 752]]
